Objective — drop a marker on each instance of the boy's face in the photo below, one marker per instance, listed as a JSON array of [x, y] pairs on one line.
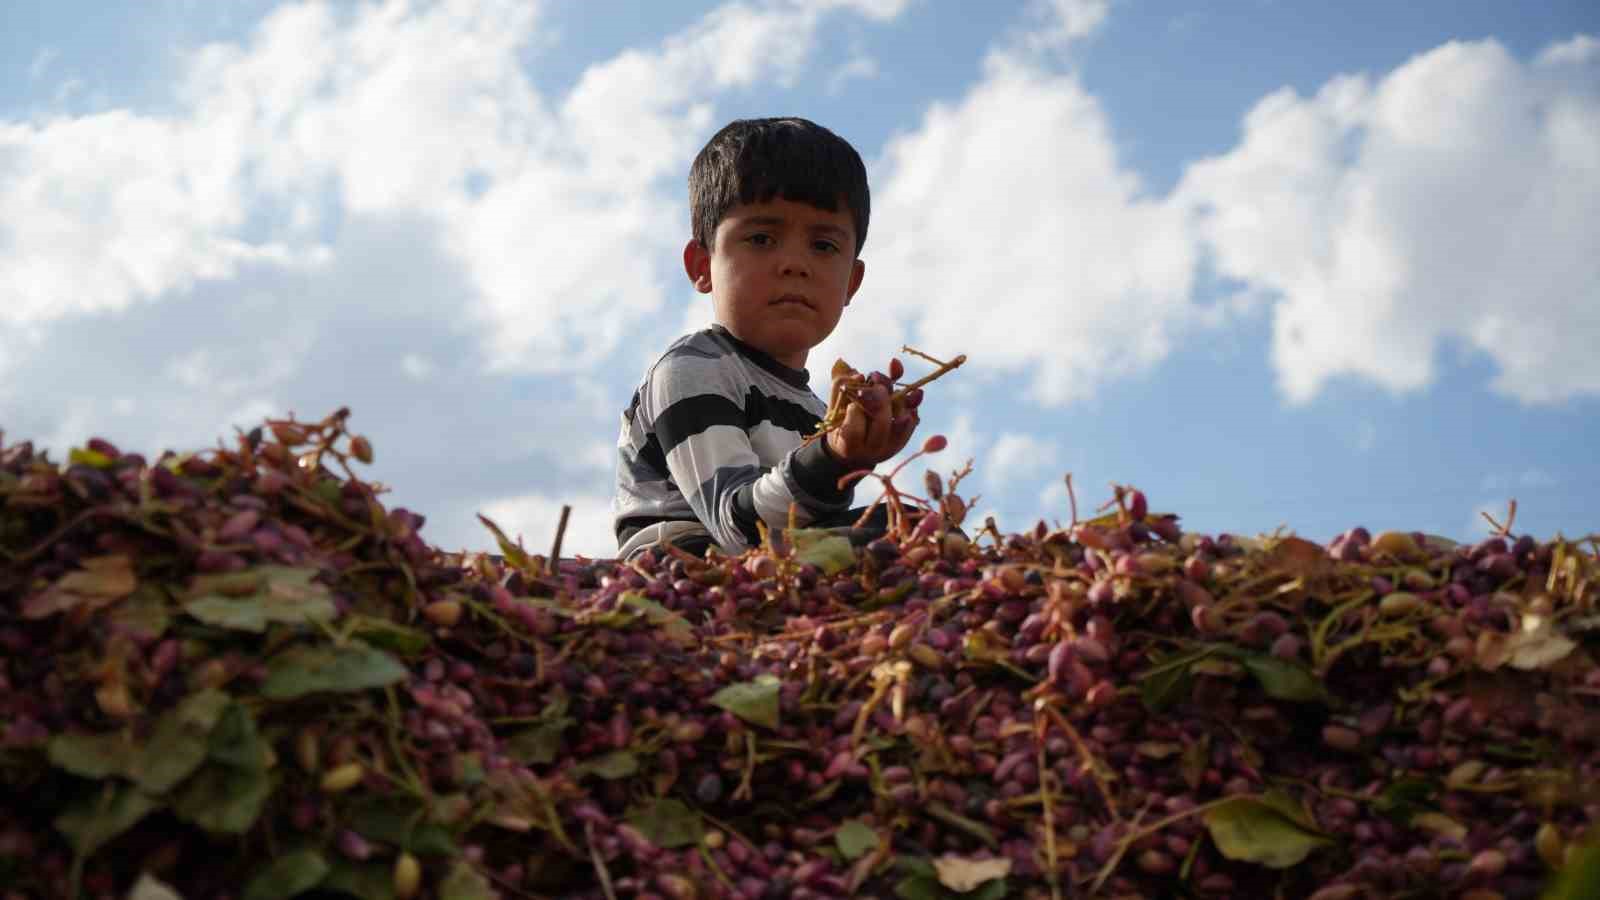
[[780, 274]]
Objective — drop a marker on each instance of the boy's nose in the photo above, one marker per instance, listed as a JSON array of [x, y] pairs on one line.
[[796, 265]]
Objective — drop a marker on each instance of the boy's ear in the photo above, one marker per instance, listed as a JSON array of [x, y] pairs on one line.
[[857, 272], [697, 265]]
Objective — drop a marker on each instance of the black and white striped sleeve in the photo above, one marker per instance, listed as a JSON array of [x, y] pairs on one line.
[[719, 435]]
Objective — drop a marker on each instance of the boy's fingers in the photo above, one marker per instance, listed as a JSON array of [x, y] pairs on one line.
[[875, 400], [875, 432], [853, 430]]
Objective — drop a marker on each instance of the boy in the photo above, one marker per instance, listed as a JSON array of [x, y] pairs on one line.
[[712, 440]]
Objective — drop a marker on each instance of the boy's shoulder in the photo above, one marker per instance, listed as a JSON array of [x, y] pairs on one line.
[[694, 355], [707, 343], [712, 362], [694, 363]]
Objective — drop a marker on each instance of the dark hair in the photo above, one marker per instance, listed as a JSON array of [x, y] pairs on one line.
[[755, 160]]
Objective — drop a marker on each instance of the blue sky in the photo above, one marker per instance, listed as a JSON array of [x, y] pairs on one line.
[[1278, 264]]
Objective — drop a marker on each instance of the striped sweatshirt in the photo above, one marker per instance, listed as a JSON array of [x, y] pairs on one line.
[[711, 442]]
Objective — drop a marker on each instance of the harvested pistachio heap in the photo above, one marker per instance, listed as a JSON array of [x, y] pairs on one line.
[[237, 673]]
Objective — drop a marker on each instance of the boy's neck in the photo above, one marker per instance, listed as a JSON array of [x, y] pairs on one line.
[[764, 356], [795, 361]]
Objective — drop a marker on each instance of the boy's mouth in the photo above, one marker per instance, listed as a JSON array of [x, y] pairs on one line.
[[792, 298]]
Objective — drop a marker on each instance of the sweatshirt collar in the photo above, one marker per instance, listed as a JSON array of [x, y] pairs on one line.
[[800, 378]]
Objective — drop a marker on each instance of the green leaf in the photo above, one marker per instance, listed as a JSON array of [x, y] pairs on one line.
[[143, 615], [401, 823], [390, 636], [1579, 879], [179, 743], [91, 755], [1167, 680], [1165, 688], [1405, 798], [103, 814], [1284, 679], [288, 876], [855, 838], [254, 598], [675, 625], [980, 646], [920, 887], [888, 596], [223, 799], [538, 745], [1259, 830], [991, 890], [328, 490], [367, 881], [612, 766], [472, 771], [236, 743], [755, 702], [83, 456], [149, 887], [309, 669], [821, 547], [633, 607], [668, 822], [466, 883], [515, 556]]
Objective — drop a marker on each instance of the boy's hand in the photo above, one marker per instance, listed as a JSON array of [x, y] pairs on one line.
[[871, 431]]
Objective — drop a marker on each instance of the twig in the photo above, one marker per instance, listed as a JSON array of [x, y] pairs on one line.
[[1049, 811], [553, 567], [599, 863], [1138, 834], [944, 369], [1072, 498], [1111, 864], [1511, 517], [1090, 763]]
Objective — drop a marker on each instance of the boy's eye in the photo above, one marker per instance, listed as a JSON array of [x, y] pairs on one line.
[[760, 239], [826, 246]]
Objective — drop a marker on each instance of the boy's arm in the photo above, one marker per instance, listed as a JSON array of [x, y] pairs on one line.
[[699, 423]]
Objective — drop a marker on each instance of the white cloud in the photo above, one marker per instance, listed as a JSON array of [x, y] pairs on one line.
[[877, 10], [857, 67], [1531, 477], [106, 209], [1537, 478], [1005, 228], [41, 62], [1579, 48], [424, 111], [600, 455], [1018, 457], [1066, 21], [1451, 200], [417, 367], [536, 516]]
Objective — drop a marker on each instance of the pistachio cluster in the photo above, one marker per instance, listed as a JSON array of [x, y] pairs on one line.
[[238, 673]]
